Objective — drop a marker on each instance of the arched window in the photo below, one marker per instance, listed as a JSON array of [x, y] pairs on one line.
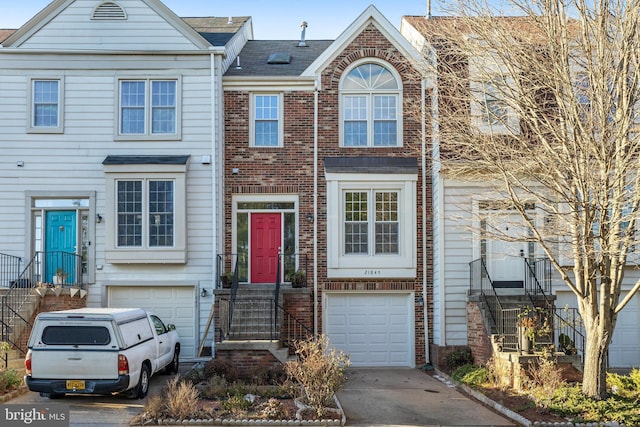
[[371, 107]]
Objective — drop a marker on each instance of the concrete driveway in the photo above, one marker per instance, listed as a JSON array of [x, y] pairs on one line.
[[410, 397]]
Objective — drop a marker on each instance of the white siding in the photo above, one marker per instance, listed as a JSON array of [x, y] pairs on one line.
[[71, 162], [457, 254], [144, 29]]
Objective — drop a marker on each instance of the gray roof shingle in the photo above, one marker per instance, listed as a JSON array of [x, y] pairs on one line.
[[254, 56], [217, 31]]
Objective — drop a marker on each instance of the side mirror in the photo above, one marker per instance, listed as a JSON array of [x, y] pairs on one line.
[[171, 327]]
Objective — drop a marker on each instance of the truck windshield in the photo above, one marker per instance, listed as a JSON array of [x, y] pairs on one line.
[[76, 335]]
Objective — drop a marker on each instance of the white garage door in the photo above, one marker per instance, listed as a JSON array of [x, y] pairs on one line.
[[172, 304], [624, 350], [375, 330]]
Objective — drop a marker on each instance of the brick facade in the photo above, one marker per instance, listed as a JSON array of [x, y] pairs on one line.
[[477, 336], [54, 300], [288, 170]]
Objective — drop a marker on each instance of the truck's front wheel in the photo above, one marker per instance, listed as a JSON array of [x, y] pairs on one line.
[[175, 362], [140, 391]]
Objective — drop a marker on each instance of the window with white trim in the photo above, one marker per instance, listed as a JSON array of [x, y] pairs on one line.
[[149, 108], [46, 106], [371, 231], [148, 199], [371, 222], [266, 120], [491, 92], [146, 211], [371, 107]]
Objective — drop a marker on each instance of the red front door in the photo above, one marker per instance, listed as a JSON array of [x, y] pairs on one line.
[[266, 240]]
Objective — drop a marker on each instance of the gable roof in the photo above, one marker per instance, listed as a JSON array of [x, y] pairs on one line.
[[217, 31], [4, 34], [56, 7], [255, 54], [371, 15], [524, 28]]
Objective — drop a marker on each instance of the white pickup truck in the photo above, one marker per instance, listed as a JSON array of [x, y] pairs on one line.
[[99, 351]]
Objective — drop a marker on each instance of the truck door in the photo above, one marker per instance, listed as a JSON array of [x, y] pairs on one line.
[[165, 351]]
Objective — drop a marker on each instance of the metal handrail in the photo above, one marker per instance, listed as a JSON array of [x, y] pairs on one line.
[[480, 276]]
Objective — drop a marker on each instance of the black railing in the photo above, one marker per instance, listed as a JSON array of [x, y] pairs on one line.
[[480, 282], [569, 331], [63, 268], [538, 276], [9, 273], [255, 319], [9, 269], [227, 266], [295, 269]]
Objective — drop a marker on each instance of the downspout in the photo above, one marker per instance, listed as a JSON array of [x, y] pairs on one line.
[[315, 208], [214, 186], [425, 310]]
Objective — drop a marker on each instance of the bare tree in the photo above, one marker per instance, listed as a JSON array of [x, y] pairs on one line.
[[545, 105]]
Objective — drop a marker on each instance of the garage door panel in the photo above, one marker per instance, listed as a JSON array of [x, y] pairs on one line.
[[375, 330], [173, 305], [623, 350]]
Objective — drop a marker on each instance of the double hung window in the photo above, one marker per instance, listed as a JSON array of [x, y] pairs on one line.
[[145, 213], [370, 107], [46, 107], [266, 123], [146, 209], [149, 108], [371, 222]]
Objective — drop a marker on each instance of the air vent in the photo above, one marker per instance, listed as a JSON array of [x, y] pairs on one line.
[[279, 58], [109, 10]]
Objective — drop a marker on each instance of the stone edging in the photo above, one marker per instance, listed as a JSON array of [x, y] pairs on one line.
[[512, 415], [247, 422], [13, 394]]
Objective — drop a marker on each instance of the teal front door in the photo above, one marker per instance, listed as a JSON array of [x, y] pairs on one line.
[[61, 239]]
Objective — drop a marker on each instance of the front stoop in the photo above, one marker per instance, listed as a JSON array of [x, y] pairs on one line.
[[272, 346]]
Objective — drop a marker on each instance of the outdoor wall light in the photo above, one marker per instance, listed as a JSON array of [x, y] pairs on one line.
[[98, 218], [203, 292], [309, 217]]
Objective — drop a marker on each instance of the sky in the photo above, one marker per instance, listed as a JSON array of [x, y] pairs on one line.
[[272, 19]]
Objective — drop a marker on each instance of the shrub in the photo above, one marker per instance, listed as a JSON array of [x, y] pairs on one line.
[[236, 404], [625, 385], [181, 398], [154, 407], [214, 387], [499, 373], [267, 375], [471, 374], [272, 410], [9, 380], [320, 370], [222, 368], [458, 358], [543, 379]]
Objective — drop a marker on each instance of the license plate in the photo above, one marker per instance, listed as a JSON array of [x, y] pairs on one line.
[[75, 384]]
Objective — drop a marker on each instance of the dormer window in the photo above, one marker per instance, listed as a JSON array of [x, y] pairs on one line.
[[109, 11], [371, 106]]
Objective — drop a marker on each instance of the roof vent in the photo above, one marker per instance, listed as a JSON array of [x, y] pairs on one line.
[[304, 25], [230, 21], [109, 10], [279, 58]]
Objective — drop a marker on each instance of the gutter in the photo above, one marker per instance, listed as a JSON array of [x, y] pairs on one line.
[[425, 306], [315, 209]]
